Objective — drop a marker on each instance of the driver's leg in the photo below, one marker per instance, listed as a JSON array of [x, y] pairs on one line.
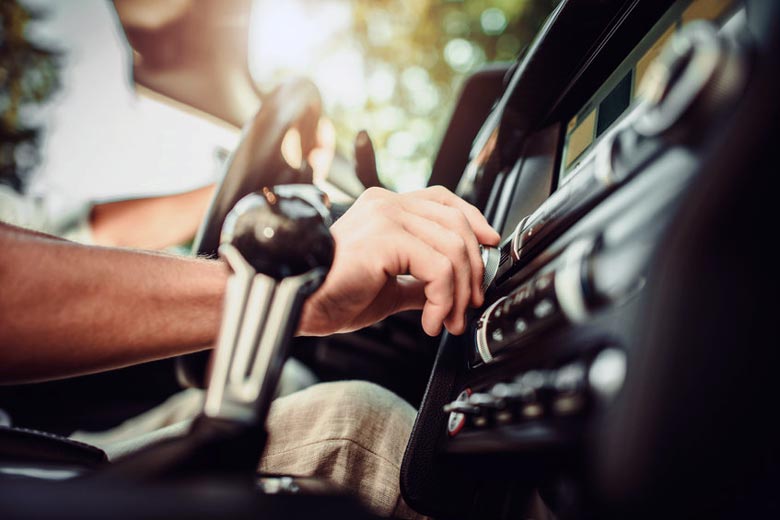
[[351, 433]]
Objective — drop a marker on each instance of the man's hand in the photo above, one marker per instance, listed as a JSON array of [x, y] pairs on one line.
[[397, 252]]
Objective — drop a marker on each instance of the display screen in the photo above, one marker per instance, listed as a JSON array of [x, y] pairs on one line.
[[617, 94]]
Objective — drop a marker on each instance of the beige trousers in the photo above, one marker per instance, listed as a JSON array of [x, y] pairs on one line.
[[352, 434]]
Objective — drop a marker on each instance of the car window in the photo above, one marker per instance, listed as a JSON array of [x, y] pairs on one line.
[[392, 67]]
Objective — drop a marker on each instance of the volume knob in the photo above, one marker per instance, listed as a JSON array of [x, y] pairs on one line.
[[698, 73], [491, 257]]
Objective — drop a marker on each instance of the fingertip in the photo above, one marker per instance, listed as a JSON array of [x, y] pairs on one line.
[[456, 330], [488, 236], [495, 237], [456, 326], [462, 327], [431, 325], [432, 330], [477, 298]]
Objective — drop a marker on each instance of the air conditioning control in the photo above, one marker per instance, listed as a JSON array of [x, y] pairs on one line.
[[532, 395], [588, 276], [551, 296]]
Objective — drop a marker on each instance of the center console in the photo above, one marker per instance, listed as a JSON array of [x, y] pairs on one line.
[[602, 130]]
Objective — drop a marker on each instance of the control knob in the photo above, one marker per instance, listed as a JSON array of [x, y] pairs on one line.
[[698, 73]]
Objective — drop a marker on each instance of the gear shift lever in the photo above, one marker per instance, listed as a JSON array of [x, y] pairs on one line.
[[279, 248]]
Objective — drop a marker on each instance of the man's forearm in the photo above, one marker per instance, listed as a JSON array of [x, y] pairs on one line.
[[165, 221], [67, 309]]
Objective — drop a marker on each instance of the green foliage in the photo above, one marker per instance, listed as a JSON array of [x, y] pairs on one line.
[[28, 75], [430, 46]]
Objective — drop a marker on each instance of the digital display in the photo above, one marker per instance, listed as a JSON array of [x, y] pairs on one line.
[[581, 132], [616, 95], [616, 102]]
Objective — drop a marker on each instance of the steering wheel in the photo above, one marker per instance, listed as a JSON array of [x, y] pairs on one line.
[[257, 162]]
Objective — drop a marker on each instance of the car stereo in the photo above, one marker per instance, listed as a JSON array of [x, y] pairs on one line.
[[582, 164], [617, 120]]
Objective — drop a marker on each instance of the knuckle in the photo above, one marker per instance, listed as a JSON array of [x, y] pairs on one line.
[[462, 220], [457, 245], [451, 214], [440, 190], [381, 207], [443, 266], [457, 219], [373, 193]]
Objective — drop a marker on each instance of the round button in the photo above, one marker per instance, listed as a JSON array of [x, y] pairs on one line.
[[457, 420], [607, 373], [520, 326]]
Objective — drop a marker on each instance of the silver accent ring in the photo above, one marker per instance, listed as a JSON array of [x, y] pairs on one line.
[[568, 282], [490, 259], [483, 349]]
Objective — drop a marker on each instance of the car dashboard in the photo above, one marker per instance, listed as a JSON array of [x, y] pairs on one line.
[[585, 163]]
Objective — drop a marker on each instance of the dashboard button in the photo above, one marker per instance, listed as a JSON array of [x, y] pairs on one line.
[[521, 325], [568, 404], [521, 295], [457, 419], [544, 309], [532, 411], [607, 373], [543, 281], [534, 380], [570, 383], [481, 421], [490, 260], [570, 378]]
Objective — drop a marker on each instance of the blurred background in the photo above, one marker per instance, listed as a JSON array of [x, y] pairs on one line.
[[392, 67]]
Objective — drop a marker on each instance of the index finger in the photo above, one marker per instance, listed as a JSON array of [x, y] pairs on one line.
[[479, 224]]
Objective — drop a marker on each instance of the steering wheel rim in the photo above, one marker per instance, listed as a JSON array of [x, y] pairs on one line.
[[257, 162]]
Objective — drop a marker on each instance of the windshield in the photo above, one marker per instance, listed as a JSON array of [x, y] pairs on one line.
[[392, 67]]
